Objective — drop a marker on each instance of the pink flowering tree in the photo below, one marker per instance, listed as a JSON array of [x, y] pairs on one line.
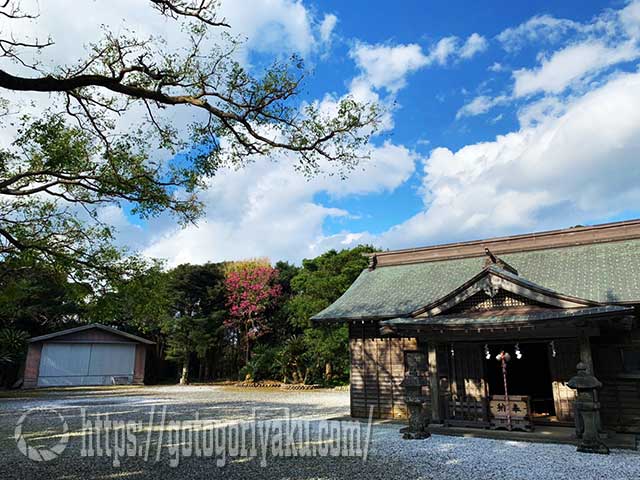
[[251, 289]]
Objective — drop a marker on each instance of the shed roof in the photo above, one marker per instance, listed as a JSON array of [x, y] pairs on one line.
[[605, 272], [98, 326]]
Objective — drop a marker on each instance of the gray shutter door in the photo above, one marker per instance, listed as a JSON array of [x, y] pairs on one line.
[[63, 364], [68, 364], [112, 359]]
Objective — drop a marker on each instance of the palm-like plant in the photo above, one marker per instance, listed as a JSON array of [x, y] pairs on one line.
[[292, 358], [12, 345]]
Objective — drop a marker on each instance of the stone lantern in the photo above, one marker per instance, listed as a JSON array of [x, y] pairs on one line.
[[587, 411], [414, 380]]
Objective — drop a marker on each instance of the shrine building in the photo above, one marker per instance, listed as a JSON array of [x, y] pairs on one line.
[[548, 299]]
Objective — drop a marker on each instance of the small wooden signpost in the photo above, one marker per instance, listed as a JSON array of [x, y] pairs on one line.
[[516, 414]]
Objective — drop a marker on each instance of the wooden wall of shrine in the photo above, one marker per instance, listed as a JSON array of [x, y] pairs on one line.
[[378, 367], [377, 370], [616, 361]]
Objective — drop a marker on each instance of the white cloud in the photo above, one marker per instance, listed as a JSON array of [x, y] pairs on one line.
[[480, 104], [449, 48], [475, 44], [390, 166], [387, 66], [587, 52], [574, 165], [571, 64], [630, 19], [546, 29], [443, 50], [272, 25], [538, 28], [540, 111], [327, 26], [268, 25], [268, 209]]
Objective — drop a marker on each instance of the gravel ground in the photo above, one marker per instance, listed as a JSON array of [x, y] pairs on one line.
[[388, 456]]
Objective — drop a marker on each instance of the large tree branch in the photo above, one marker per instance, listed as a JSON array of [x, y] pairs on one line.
[[231, 119], [11, 239], [52, 166]]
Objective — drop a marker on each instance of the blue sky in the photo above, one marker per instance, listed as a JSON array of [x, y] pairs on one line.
[[426, 99], [501, 117], [432, 97]]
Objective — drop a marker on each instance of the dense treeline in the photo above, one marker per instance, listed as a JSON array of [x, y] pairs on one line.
[[59, 170], [247, 320]]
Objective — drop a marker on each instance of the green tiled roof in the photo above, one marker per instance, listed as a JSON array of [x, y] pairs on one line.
[[455, 320], [603, 272]]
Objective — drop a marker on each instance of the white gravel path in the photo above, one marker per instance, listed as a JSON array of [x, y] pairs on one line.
[[443, 457], [389, 457]]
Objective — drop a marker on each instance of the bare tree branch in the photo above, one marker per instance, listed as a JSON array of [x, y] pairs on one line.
[[203, 10]]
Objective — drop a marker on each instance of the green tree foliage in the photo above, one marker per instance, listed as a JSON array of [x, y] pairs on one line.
[[278, 314], [323, 280], [54, 178], [319, 283], [197, 311], [140, 301], [79, 156], [294, 357], [263, 364], [141, 304], [39, 298], [184, 310], [35, 298]]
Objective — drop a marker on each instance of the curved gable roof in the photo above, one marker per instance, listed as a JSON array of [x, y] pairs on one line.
[[494, 278], [606, 272]]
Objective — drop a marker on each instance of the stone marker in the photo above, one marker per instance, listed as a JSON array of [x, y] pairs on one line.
[[415, 401]]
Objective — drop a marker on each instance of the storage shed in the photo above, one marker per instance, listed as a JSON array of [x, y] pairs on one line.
[[88, 355]]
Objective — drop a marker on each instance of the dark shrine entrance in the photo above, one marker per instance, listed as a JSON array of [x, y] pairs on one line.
[[468, 380], [528, 375]]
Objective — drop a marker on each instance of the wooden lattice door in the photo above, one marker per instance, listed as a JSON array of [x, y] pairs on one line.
[[466, 402]]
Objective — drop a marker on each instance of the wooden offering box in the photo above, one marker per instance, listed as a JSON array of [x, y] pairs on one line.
[[520, 408]]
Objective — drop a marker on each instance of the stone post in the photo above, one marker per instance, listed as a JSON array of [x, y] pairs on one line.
[[587, 410]]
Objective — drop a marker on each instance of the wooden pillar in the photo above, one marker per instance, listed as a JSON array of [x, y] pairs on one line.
[[434, 383], [585, 352], [585, 357]]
